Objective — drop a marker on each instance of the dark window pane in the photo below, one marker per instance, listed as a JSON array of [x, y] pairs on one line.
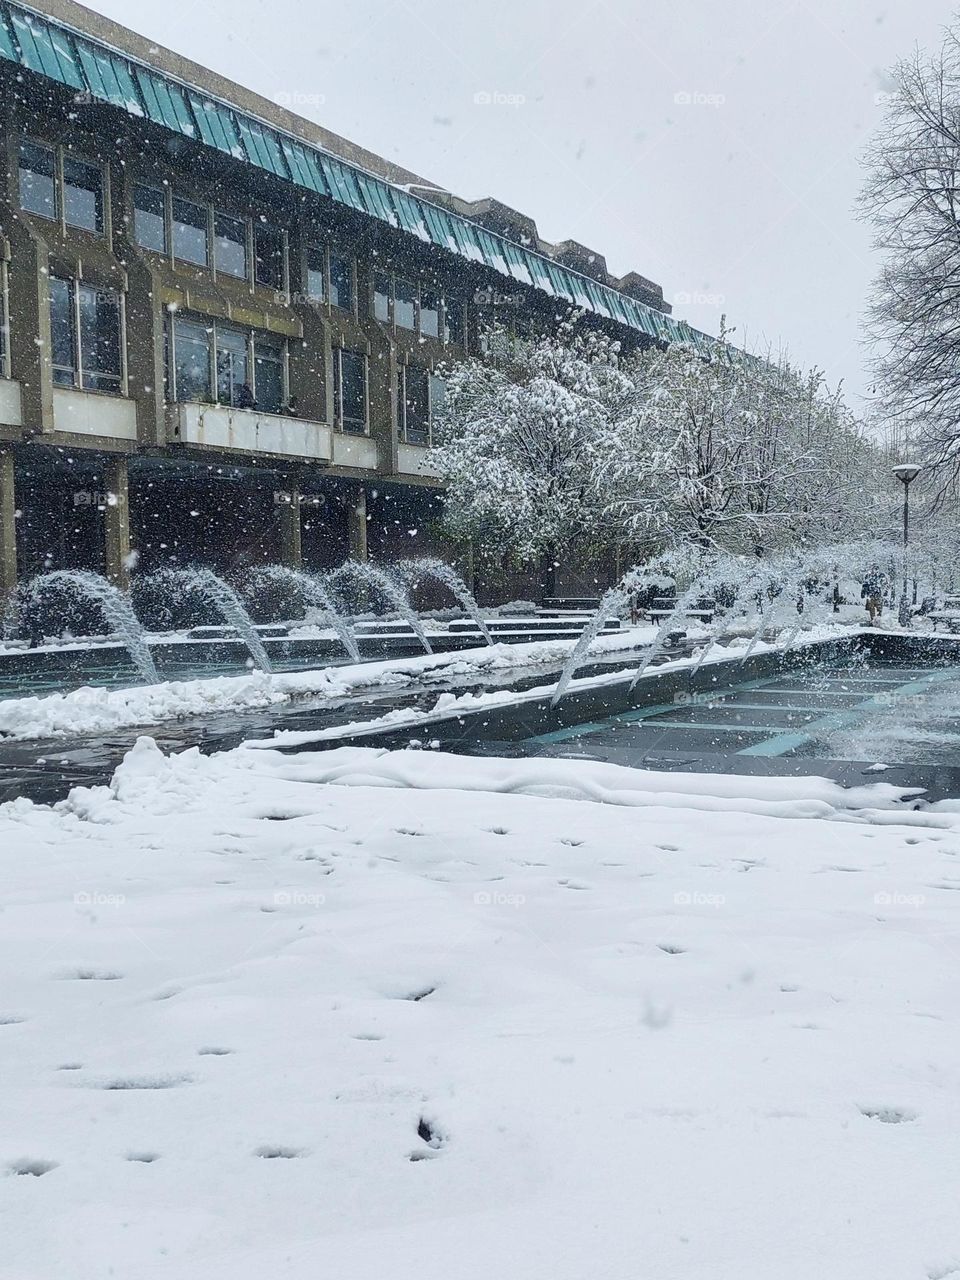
[[416, 405], [405, 304], [149, 220], [192, 359], [429, 313], [233, 378], [341, 282], [453, 320], [37, 186], [269, 255], [99, 338], [62, 336], [230, 245], [316, 275], [381, 297], [350, 389], [268, 372], [190, 232], [82, 194]]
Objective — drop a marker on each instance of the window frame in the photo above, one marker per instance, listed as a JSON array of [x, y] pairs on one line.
[[338, 418], [403, 401], [74, 284], [5, 366], [213, 326], [166, 195], [258, 221], [59, 151]]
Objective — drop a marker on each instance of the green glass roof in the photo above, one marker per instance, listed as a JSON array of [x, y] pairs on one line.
[[53, 50]]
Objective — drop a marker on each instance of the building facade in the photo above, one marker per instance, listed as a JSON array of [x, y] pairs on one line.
[[222, 325]]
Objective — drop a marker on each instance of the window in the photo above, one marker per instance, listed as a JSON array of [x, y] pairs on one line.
[[38, 186], [268, 254], [350, 391], [82, 194], [233, 376], [341, 281], [404, 304], [268, 373], [429, 313], [413, 405], [453, 321], [189, 232], [149, 219], [192, 343], [100, 355], [85, 336], [316, 274], [4, 322], [63, 345], [382, 289], [438, 397], [230, 245], [208, 361]]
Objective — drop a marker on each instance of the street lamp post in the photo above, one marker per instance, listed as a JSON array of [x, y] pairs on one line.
[[906, 473]]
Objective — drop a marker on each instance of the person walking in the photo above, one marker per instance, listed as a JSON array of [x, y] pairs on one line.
[[872, 594]]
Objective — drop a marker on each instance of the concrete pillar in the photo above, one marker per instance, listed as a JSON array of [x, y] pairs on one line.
[[116, 520], [357, 523], [8, 524], [288, 517]]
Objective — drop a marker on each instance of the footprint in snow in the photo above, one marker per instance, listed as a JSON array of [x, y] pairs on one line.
[[429, 1134], [28, 1167], [89, 975], [213, 1051], [280, 1153], [142, 1157], [889, 1115]]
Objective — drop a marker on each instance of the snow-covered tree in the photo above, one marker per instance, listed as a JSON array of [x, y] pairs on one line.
[[731, 451], [517, 439]]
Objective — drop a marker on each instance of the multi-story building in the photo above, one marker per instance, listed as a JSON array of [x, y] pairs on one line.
[[221, 323]]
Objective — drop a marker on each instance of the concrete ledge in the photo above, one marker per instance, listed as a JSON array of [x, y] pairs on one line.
[[11, 413], [355, 451], [92, 413], [412, 461], [248, 431]]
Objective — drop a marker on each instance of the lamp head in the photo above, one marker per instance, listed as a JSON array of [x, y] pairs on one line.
[[906, 471]]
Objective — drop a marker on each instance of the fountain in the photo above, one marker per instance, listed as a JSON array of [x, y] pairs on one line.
[[314, 593], [114, 604], [223, 597], [364, 574], [440, 571], [749, 582]]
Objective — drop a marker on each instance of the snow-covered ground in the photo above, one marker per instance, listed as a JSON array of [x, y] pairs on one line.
[[370, 1015]]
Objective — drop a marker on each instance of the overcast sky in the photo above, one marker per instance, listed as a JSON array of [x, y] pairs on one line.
[[711, 147]]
